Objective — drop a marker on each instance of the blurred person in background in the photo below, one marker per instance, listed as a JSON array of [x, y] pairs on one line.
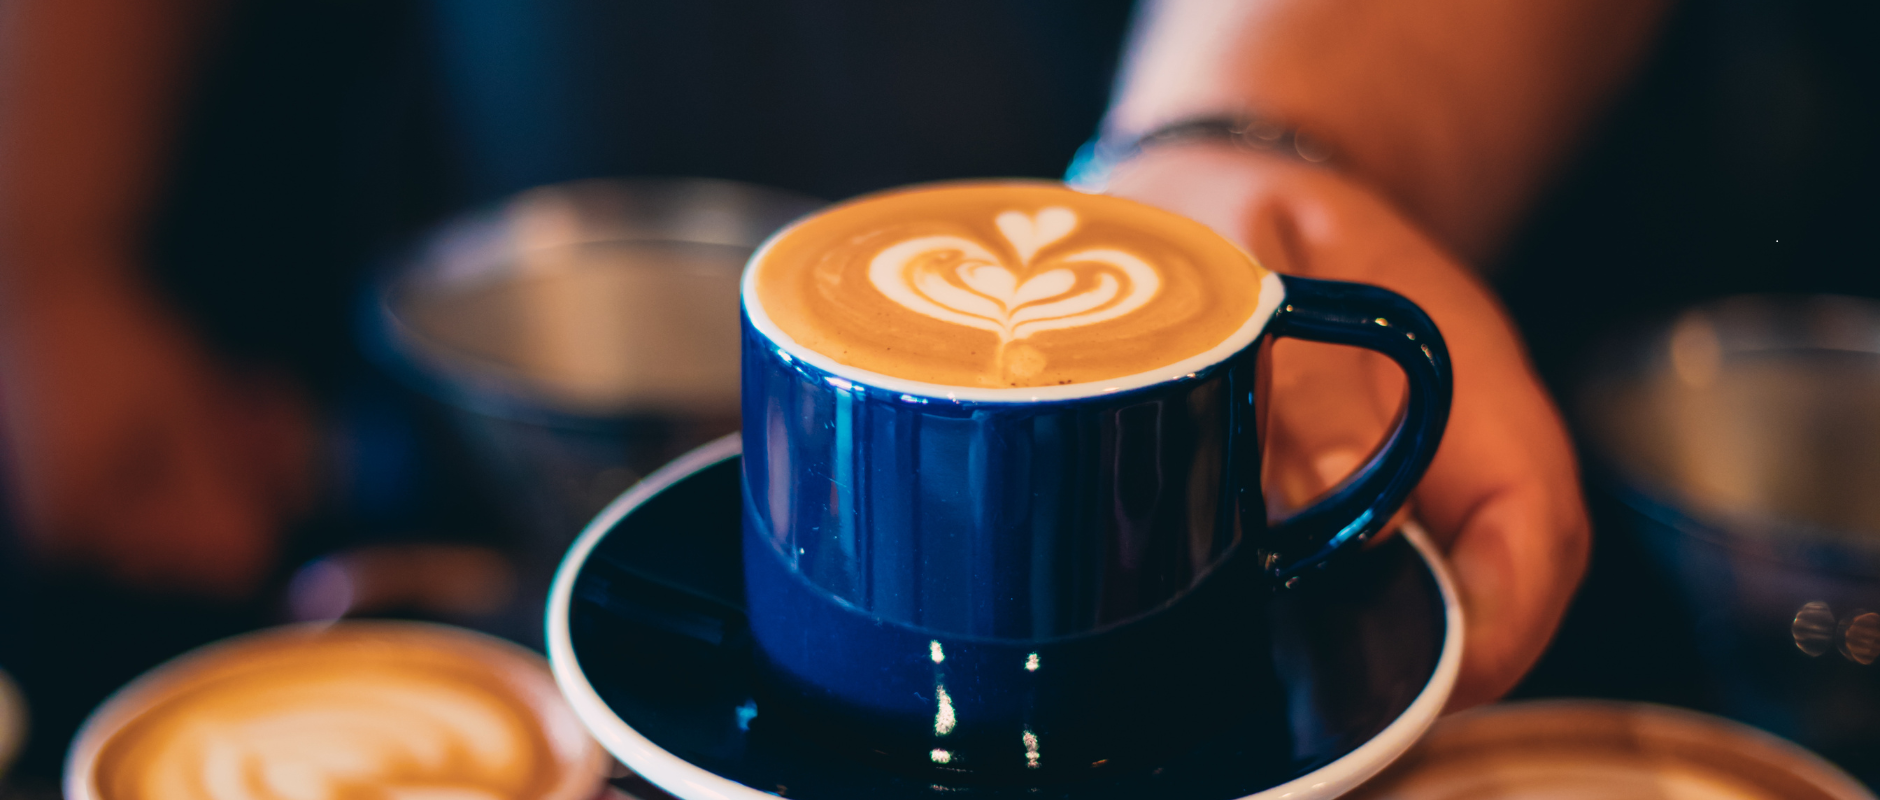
[[188, 191]]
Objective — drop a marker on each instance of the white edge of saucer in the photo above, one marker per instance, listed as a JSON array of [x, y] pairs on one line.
[[687, 780], [1364, 763], [661, 768]]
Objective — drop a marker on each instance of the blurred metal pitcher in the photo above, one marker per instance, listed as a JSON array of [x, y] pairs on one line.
[[580, 335], [1745, 439]]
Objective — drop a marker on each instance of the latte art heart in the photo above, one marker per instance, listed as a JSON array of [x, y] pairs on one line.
[[1029, 234], [1003, 284], [962, 281]]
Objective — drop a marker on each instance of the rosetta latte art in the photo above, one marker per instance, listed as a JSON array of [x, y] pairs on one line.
[[1006, 284], [359, 711], [342, 736], [958, 280]]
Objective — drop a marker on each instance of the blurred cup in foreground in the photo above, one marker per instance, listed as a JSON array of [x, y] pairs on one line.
[[1743, 437], [1604, 750], [346, 710]]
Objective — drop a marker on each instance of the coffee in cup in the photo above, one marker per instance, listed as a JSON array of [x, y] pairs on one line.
[[1002, 456], [348, 710], [1006, 286]]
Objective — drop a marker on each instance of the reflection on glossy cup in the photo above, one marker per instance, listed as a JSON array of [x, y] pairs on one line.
[[357, 708], [1744, 437], [580, 335]]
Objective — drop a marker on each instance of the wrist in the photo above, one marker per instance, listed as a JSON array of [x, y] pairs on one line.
[[1098, 159]]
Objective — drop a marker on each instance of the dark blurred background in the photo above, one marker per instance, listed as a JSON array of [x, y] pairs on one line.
[[322, 137]]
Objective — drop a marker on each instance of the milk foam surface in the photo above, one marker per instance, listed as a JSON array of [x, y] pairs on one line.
[[1004, 284], [340, 718]]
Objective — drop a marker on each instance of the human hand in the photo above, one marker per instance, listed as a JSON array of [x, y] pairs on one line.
[[1503, 494], [134, 452]]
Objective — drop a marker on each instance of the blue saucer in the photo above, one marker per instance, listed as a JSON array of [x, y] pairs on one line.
[[647, 640]]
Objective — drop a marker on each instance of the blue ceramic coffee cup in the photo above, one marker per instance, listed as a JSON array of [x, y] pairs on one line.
[[1026, 582]]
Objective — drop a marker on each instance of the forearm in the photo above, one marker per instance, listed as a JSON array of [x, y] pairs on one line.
[[88, 92], [1457, 110]]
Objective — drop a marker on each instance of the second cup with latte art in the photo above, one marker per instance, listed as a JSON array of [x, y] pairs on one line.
[[356, 709]]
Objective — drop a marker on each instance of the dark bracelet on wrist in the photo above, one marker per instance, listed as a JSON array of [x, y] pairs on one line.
[[1090, 169]]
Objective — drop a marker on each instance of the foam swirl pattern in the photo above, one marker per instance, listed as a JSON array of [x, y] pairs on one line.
[[336, 720], [1003, 285]]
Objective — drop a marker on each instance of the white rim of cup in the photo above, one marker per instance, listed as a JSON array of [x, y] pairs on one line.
[[1272, 293], [689, 781], [132, 699]]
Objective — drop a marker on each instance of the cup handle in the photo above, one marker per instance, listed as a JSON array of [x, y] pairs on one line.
[[1377, 319]]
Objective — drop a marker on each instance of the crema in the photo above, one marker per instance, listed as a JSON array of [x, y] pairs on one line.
[[358, 711], [1003, 285]]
